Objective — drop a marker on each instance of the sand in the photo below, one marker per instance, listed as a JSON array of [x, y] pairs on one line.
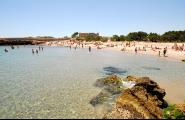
[[118, 46]]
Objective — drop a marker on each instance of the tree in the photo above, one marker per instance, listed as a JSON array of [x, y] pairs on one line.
[[132, 36], [174, 36], [74, 35], [154, 37], [91, 37], [142, 36], [138, 36], [104, 39], [122, 38], [115, 38]]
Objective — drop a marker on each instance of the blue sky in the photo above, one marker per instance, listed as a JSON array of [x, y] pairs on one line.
[[20, 18]]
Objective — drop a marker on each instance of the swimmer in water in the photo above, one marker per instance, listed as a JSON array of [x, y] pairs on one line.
[[32, 51]]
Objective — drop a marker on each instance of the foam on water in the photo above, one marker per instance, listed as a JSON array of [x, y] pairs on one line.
[[128, 84]]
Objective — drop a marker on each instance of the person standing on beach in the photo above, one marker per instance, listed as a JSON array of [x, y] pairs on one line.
[[75, 47], [42, 48], [159, 53], [136, 50], [39, 48]]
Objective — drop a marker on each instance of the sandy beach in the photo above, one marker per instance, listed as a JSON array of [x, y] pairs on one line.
[[148, 48]]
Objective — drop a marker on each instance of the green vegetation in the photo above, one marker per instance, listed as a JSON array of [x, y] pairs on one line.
[[92, 38], [170, 36], [137, 36], [154, 37], [104, 39], [74, 35], [171, 112], [118, 38]]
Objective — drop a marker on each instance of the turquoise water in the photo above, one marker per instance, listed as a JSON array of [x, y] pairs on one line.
[[58, 82]]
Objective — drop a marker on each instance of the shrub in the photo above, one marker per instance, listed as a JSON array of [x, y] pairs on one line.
[[171, 112]]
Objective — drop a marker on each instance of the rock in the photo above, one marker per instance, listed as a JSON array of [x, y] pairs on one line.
[[123, 112], [181, 107], [150, 68], [143, 101], [108, 81], [100, 98], [114, 89], [132, 78], [114, 70], [151, 87], [112, 85]]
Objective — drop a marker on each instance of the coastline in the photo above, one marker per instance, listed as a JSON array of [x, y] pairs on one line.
[[121, 46]]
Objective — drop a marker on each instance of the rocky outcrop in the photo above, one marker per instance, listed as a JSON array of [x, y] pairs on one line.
[[111, 86], [111, 80], [144, 100], [20, 42], [181, 107]]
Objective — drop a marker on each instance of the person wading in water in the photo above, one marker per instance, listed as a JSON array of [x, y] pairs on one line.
[[32, 51], [5, 50], [164, 52], [89, 48], [37, 51]]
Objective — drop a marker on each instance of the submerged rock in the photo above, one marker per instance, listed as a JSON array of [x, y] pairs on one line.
[[151, 68], [113, 70], [100, 98], [111, 85], [144, 100]]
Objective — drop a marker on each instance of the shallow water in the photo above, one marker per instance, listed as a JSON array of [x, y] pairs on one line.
[[58, 82]]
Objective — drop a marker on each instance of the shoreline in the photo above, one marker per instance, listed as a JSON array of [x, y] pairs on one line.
[[146, 48]]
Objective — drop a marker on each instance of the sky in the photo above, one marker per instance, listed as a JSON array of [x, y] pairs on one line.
[[58, 18]]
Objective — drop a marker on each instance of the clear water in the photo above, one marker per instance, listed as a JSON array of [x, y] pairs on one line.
[[58, 82]]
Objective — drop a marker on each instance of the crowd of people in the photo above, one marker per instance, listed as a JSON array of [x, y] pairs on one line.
[[41, 48], [12, 47], [160, 49], [36, 50], [178, 47]]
